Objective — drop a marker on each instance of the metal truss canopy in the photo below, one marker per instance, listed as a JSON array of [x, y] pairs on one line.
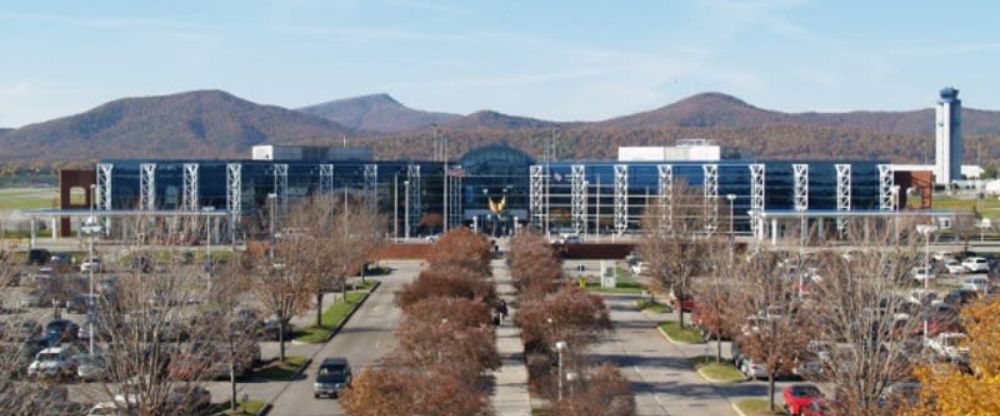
[[537, 193], [801, 187], [234, 195], [758, 179], [416, 206], [190, 186], [578, 198], [621, 199], [326, 179], [666, 184], [711, 196], [147, 186], [371, 185], [843, 194], [886, 186]]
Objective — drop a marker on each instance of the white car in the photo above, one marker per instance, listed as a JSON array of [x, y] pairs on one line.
[[93, 263], [752, 370], [922, 273], [947, 344], [921, 297], [954, 267], [53, 362], [942, 256], [977, 283], [638, 269], [976, 265]]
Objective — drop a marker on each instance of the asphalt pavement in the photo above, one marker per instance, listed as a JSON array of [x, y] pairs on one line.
[[366, 337]]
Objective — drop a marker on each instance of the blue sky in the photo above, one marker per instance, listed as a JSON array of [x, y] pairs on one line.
[[562, 60]]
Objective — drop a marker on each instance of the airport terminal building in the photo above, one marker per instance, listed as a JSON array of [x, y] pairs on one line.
[[498, 188]]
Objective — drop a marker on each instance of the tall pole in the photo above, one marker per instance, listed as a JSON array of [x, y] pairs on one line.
[[90, 258], [927, 273], [446, 213], [597, 211], [406, 208], [395, 207], [273, 198], [208, 255]]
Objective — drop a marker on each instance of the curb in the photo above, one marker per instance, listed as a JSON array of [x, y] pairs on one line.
[[346, 318], [298, 371], [715, 380], [264, 410], [737, 409], [671, 340], [378, 283]]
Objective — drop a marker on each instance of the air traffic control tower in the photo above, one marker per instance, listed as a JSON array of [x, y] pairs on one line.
[[948, 154]]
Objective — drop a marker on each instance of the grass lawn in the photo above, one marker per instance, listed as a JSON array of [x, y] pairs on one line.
[[687, 335], [247, 407], [723, 371], [28, 198], [758, 407], [280, 370], [990, 206], [622, 286], [652, 306], [334, 315], [540, 412]]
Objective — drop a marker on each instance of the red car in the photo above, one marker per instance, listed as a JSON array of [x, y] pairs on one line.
[[817, 408], [798, 397], [684, 303]]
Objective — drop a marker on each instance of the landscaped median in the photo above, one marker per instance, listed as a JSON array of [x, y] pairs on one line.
[[281, 370], [755, 407], [673, 332], [622, 286], [652, 306], [246, 407], [335, 315], [722, 371]]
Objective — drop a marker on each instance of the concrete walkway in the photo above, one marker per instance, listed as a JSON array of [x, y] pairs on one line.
[[663, 380], [510, 395]]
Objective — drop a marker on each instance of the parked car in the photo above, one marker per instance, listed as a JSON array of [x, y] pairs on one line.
[[942, 256], [639, 268], [819, 407], [922, 297], [799, 396], [91, 367], [979, 284], [333, 377], [271, 329], [954, 267], [53, 362], [922, 273], [752, 370], [38, 256], [948, 345], [899, 394], [193, 400], [684, 302], [960, 296], [976, 265], [92, 263], [61, 330]]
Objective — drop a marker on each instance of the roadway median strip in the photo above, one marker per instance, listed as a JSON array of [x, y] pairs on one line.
[[717, 372], [677, 335], [652, 307], [336, 315], [282, 370], [247, 407]]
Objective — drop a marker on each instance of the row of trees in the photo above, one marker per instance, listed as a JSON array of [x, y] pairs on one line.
[[164, 327], [558, 322], [830, 314], [446, 338]]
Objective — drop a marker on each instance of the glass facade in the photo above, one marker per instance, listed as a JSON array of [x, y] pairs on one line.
[[596, 195]]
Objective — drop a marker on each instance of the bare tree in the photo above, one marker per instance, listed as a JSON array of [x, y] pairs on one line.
[[775, 330], [278, 284]]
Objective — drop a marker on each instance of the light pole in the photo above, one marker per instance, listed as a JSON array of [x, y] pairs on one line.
[[395, 207], [732, 228], [91, 227], [272, 198], [406, 209], [560, 347], [927, 230]]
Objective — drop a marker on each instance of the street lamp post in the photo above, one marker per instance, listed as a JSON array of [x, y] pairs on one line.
[[272, 198], [406, 209], [927, 230], [560, 347], [91, 227], [732, 228]]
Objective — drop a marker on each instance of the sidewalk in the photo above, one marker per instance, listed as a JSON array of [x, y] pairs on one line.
[[663, 380], [510, 396]]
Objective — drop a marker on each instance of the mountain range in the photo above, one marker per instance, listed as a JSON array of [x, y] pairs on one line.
[[211, 123]]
